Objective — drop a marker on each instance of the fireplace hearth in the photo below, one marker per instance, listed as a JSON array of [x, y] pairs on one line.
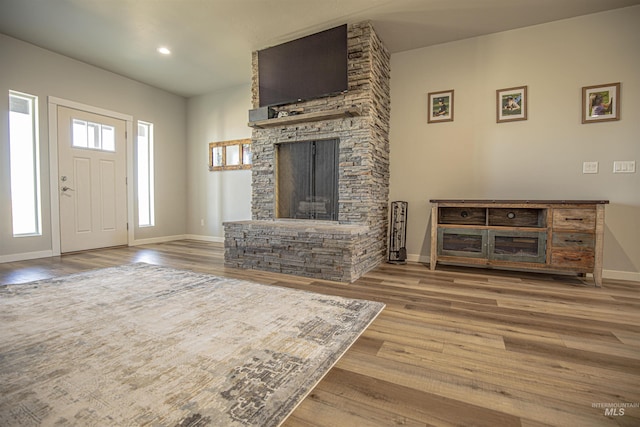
[[325, 218]]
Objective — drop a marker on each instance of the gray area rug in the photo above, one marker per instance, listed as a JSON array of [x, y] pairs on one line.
[[148, 345]]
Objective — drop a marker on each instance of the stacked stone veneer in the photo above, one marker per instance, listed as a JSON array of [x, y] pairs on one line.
[[356, 243]]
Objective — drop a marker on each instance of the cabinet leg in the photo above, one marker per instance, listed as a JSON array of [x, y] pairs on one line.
[[597, 278]]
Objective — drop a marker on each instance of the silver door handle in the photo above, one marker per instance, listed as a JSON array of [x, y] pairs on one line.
[[65, 188]]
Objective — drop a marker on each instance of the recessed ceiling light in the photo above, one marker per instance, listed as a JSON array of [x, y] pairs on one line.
[[164, 50]]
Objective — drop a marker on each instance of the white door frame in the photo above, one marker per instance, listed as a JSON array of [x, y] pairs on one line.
[[53, 164]]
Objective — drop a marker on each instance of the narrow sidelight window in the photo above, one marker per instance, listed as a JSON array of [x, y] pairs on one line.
[[24, 164], [146, 215]]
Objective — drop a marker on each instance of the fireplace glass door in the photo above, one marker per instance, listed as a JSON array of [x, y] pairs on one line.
[[307, 180]]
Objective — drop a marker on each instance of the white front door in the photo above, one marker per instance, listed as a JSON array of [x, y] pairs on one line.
[[92, 180]]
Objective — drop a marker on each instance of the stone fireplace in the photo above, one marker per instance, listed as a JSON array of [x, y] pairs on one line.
[[319, 245]]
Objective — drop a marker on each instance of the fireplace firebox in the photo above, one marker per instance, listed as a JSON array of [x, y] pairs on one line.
[[307, 180]]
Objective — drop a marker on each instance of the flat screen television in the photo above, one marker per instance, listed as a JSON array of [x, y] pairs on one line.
[[303, 69]]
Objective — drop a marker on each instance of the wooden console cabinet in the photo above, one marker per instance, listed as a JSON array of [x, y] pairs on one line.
[[554, 235]]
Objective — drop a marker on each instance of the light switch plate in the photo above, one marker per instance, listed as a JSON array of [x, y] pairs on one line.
[[624, 166], [590, 167]]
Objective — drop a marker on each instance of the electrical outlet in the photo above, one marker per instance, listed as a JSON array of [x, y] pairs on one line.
[[201, 222], [624, 166], [590, 167]]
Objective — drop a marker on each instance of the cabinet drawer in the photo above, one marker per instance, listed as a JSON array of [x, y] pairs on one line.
[[517, 217], [580, 240], [462, 216], [582, 259], [574, 219]]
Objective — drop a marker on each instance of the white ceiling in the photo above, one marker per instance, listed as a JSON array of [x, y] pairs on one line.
[[212, 40]]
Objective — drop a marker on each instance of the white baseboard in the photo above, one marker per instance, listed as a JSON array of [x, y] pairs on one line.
[[153, 240], [418, 258], [26, 256], [165, 239], [621, 275], [606, 274], [214, 239], [49, 253]]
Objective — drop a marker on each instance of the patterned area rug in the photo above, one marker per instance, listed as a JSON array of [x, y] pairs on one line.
[[149, 345]]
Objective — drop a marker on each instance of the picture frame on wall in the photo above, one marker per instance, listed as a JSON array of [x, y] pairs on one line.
[[230, 155], [601, 103], [440, 106], [511, 104]]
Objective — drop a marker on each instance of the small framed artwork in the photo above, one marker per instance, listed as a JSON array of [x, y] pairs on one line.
[[230, 155], [511, 104], [601, 103], [440, 106]]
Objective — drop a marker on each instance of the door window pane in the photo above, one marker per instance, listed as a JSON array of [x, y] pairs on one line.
[[93, 135], [108, 138], [79, 136]]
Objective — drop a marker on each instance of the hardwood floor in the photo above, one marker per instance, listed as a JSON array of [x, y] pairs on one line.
[[453, 347]]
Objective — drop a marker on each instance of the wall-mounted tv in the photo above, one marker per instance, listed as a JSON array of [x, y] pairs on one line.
[[302, 69]]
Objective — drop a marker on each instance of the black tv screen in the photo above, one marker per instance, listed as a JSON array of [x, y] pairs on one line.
[[302, 69]]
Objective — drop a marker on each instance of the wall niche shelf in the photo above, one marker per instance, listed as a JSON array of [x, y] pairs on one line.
[[556, 235], [317, 116]]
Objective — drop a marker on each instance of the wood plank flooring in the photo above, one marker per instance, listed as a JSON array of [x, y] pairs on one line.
[[453, 347]]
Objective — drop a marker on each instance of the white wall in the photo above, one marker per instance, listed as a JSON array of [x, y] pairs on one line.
[[27, 68], [540, 158], [215, 197]]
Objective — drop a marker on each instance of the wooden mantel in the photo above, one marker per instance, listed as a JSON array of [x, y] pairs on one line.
[[307, 117]]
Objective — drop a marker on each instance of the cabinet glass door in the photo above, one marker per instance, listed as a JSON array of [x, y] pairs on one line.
[[462, 242], [521, 246]]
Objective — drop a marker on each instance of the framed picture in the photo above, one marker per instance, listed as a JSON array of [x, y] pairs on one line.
[[230, 155], [440, 106], [511, 104], [601, 103]]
